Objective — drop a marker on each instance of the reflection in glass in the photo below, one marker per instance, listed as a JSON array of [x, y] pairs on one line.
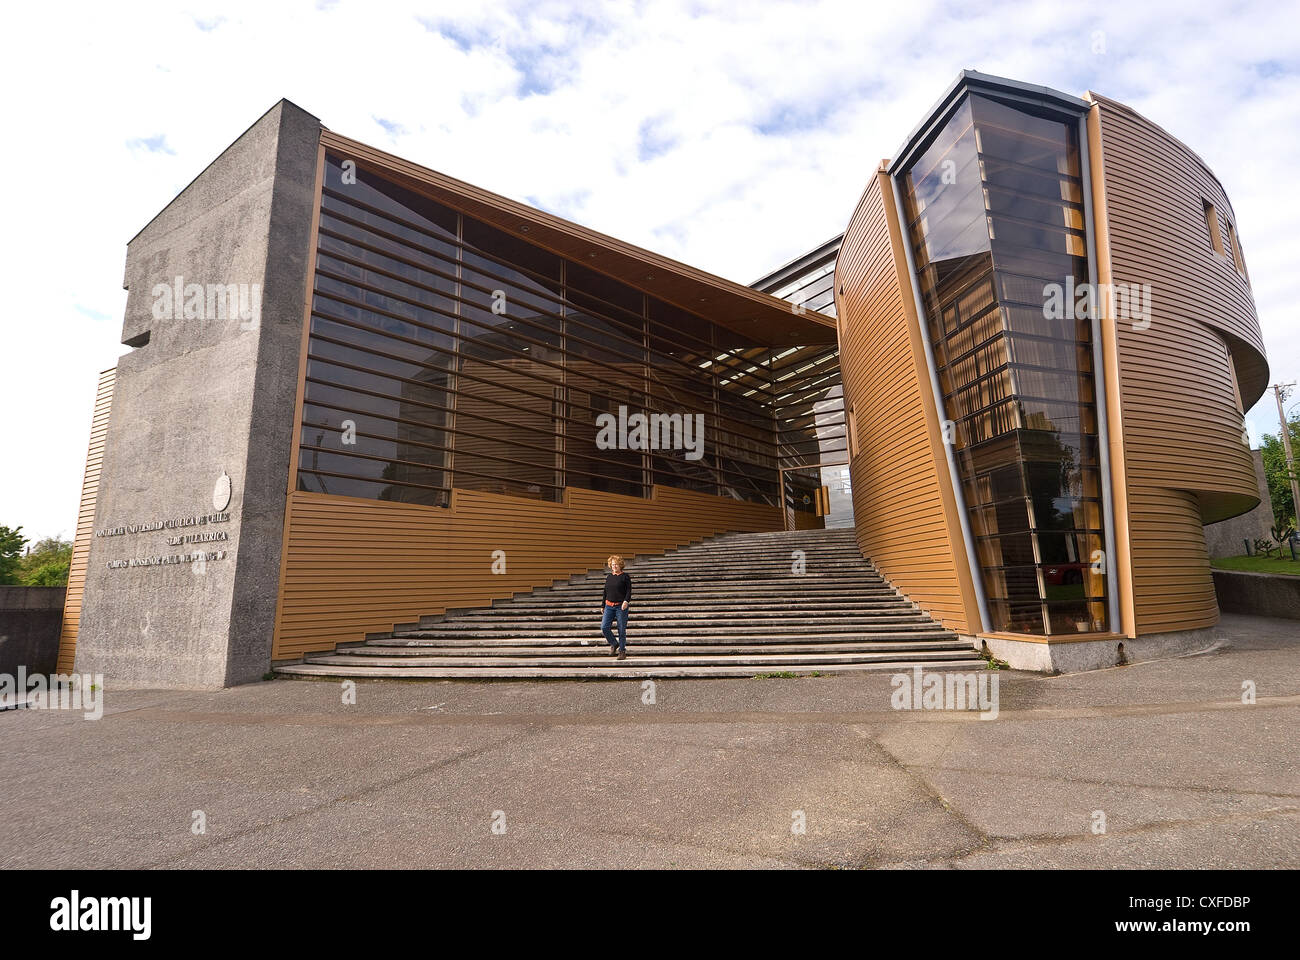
[[995, 218], [444, 353]]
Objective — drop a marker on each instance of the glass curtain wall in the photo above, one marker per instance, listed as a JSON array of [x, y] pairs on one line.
[[445, 353], [810, 403], [995, 216]]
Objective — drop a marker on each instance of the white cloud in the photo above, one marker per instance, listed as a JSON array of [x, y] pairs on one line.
[[758, 123]]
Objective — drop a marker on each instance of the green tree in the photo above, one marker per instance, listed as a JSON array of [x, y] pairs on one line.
[[46, 563], [1279, 483], [11, 549]]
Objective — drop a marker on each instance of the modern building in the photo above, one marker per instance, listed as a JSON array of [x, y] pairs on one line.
[[808, 283], [1048, 341], [362, 392]]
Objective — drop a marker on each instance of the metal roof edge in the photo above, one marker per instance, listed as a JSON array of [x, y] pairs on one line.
[[793, 267], [974, 81]]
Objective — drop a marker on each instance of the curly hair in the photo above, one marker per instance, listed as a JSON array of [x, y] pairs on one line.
[[615, 561]]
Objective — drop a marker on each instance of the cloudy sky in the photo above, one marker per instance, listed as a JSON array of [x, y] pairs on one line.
[[732, 136]]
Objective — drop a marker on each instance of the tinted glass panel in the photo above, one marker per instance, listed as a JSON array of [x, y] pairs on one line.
[[444, 352], [995, 215]]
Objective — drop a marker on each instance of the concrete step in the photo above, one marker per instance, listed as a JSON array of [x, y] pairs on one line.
[[930, 634], [729, 590], [584, 612], [716, 599], [831, 534], [737, 586], [748, 590], [670, 630], [733, 579], [687, 567], [489, 648], [731, 606], [743, 545], [760, 551], [781, 660], [608, 669], [722, 617], [669, 603], [689, 562]]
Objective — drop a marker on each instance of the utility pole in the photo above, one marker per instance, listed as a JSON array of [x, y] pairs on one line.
[[1280, 393]]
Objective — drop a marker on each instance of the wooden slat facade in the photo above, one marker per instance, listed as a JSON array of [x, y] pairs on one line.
[[904, 509], [1185, 460], [85, 523], [352, 565], [1179, 459], [355, 566]]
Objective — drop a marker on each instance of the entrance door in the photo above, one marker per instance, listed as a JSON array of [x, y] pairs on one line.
[[817, 495]]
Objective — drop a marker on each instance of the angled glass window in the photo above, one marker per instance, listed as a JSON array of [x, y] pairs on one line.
[[995, 216]]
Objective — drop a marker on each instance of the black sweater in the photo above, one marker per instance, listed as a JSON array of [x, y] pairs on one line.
[[618, 587]]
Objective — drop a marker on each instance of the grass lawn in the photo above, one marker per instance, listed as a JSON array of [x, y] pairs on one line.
[[1259, 564], [1070, 591]]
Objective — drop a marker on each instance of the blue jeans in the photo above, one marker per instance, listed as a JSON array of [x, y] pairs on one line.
[[611, 613]]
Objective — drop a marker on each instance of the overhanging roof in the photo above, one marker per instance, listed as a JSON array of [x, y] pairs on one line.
[[799, 265], [756, 315]]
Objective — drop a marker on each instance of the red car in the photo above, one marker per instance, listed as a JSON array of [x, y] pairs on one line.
[[1064, 573]]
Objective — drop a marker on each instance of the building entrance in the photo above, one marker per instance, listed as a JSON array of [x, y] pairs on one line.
[[817, 495]]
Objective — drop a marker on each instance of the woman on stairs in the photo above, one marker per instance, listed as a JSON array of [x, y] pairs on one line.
[[618, 594]]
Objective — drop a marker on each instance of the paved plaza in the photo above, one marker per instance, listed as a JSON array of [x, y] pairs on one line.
[[713, 773]]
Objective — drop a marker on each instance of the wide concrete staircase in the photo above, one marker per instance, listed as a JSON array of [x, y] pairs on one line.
[[737, 605]]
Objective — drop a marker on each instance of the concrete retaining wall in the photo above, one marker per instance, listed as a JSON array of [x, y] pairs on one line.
[[1258, 594], [30, 620]]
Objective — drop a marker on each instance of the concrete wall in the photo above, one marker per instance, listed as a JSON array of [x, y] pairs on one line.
[[1258, 594], [30, 619], [1224, 539], [200, 397], [1071, 656]]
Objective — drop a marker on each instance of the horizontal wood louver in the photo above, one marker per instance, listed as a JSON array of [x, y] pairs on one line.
[[85, 522], [465, 358], [903, 508], [355, 566], [1186, 458]]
